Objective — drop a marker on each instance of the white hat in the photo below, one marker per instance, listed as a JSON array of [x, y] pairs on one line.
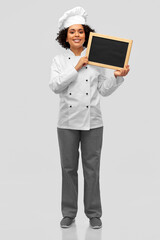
[[76, 15]]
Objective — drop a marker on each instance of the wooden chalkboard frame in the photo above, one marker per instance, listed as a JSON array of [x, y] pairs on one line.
[[92, 34]]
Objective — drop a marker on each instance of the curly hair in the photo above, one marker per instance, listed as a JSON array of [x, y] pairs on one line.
[[62, 35]]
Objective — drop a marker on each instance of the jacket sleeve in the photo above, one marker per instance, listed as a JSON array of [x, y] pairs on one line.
[[108, 84], [59, 79]]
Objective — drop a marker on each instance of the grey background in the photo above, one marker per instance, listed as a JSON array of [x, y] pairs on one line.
[[30, 174]]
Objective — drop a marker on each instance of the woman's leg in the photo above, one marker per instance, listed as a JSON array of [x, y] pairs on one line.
[[91, 144], [69, 153]]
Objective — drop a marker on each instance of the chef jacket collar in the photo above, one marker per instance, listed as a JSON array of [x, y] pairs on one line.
[[70, 53]]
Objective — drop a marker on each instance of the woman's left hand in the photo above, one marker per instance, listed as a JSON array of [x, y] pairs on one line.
[[122, 72]]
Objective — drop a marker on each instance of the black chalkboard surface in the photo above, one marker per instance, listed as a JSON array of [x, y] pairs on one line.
[[107, 51]]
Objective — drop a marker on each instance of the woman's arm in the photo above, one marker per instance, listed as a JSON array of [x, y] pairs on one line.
[[108, 84], [60, 80]]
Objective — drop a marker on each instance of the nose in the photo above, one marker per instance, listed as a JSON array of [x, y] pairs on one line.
[[77, 33]]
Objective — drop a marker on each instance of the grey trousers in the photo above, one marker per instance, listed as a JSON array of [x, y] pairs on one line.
[[90, 143]]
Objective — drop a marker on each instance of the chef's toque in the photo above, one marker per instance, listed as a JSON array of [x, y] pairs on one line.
[[76, 15]]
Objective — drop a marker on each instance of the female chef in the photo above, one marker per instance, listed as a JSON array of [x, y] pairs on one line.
[[79, 86]]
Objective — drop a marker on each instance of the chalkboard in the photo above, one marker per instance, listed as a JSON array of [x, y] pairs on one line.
[[107, 51]]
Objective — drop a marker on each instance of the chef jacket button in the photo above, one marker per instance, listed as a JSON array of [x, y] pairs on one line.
[[86, 93], [86, 106], [70, 106], [86, 67], [70, 93], [69, 58], [86, 80]]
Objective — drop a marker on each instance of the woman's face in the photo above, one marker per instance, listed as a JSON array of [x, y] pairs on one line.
[[75, 36]]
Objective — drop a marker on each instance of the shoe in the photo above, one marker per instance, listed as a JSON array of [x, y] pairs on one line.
[[95, 223], [66, 222]]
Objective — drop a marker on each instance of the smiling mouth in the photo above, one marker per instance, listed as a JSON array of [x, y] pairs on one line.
[[76, 40]]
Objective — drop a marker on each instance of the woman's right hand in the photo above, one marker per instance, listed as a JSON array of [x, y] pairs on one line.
[[83, 61]]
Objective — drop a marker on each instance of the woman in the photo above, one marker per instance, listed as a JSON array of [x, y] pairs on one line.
[[79, 86]]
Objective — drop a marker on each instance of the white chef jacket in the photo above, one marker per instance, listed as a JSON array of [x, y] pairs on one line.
[[80, 91]]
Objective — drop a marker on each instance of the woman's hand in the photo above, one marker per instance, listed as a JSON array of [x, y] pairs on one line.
[[83, 61], [122, 72]]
